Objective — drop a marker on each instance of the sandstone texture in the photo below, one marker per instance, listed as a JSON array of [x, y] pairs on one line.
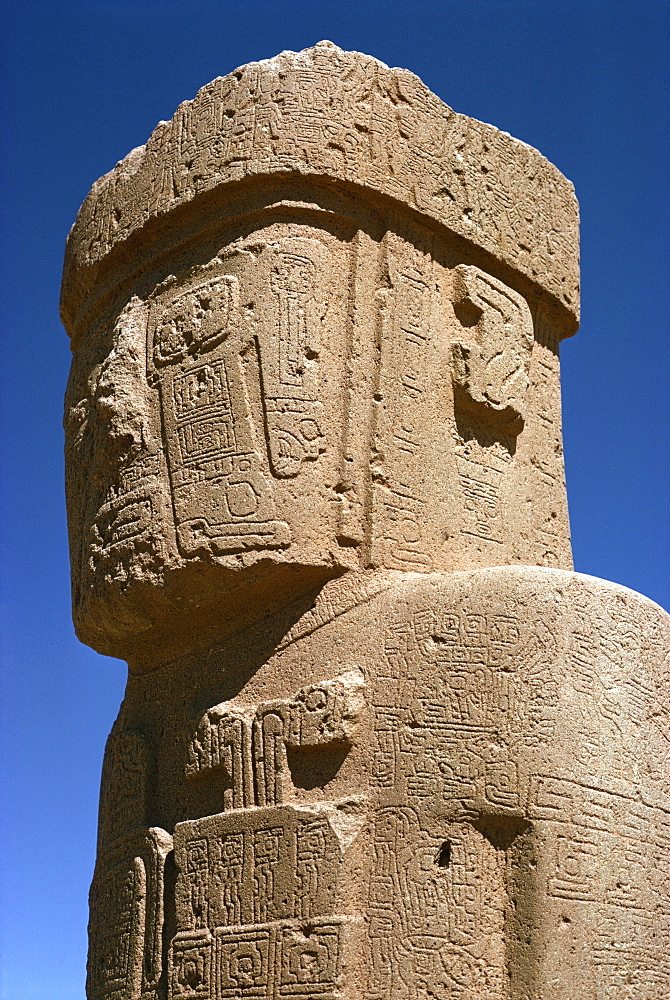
[[378, 741]]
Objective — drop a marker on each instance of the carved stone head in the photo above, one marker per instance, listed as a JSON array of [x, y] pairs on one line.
[[315, 325]]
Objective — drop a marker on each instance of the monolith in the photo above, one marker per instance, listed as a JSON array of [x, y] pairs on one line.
[[379, 742]]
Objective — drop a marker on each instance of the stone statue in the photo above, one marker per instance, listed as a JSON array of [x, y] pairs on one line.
[[379, 742]]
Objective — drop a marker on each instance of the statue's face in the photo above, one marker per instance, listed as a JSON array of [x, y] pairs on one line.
[[203, 422], [117, 490]]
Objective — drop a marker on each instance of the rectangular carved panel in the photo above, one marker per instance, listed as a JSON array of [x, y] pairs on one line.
[[256, 891]]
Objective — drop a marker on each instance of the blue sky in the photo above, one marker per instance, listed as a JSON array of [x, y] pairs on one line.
[[84, 82]]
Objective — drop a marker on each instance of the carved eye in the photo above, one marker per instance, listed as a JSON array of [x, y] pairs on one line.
[[467, 313], [316, 700]]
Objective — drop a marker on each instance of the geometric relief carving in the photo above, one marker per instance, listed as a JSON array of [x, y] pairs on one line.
[[126, 925], [310, 962], [254, 916], [490, 366], [460, 676], [191, 971], [240, 867], [336, 114], [405, 317], [430, 924], [575, 860], [469, 703], [243, 963], [581, 825], [238, 360], [246, 746], [121, 522], [297, 274], [222, 743], [459, 699], [257, 883], [222, 493], [115, 958], [482, 503], [491, 361], [259, 962]]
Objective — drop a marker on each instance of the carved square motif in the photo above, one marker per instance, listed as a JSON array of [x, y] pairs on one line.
[[201, 389], [381, 890], [576, 866], [191, 969], [243, 964], [195, 320], [309, 961], [206, 437]]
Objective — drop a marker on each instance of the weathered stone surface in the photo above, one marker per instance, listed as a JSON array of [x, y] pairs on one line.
[[342, 116], [378, 742]]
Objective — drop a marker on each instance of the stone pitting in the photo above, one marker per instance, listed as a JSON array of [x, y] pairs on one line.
[[378, 742]]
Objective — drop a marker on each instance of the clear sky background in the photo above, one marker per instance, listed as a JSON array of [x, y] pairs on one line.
[[85, 81]]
